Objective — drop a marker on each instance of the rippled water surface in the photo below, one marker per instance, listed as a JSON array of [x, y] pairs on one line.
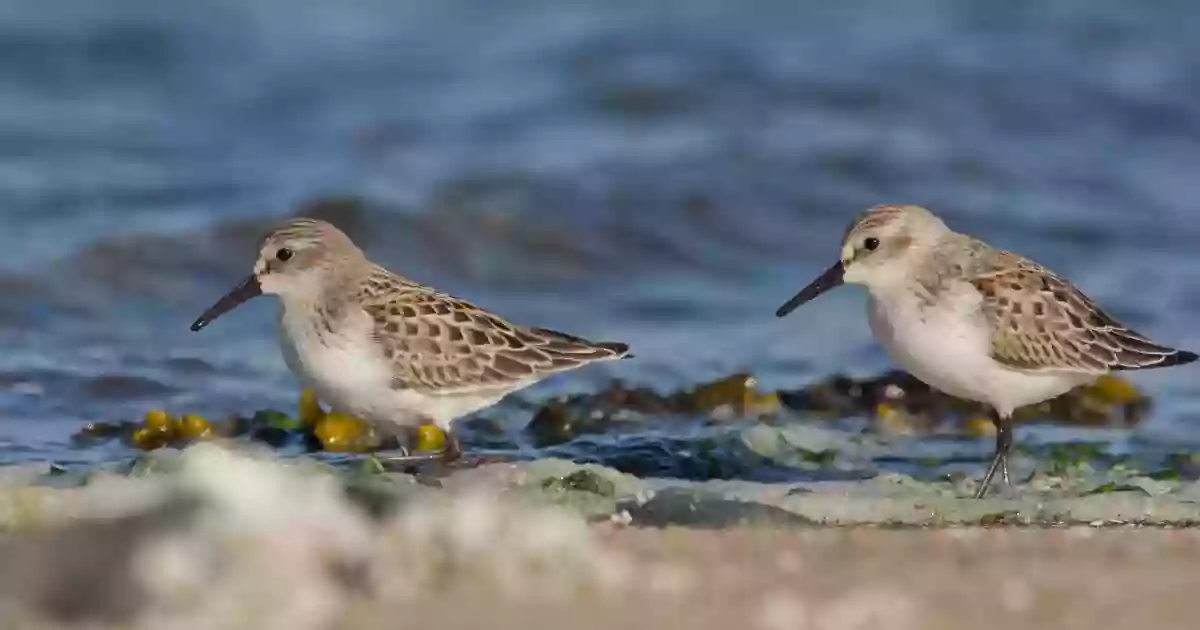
[[662, 173]]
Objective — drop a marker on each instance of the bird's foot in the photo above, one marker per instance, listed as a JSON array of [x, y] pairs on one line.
[[454, 459], [988, 485], [441, 462], [452, 455], [401, 459], [1004, 441]]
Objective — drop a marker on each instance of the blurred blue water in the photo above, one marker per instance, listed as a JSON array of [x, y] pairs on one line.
[[664, 173]]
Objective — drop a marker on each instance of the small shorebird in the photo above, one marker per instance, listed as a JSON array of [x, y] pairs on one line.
[[387, 349], [976, 322]]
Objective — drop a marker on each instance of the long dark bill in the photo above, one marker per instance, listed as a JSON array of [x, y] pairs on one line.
[[249, 288], [832, 278]]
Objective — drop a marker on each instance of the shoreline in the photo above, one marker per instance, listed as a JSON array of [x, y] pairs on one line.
[[223, 535]]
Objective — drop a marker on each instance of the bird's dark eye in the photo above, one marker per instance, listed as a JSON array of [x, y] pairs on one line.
[[284, 254], [871, 243]]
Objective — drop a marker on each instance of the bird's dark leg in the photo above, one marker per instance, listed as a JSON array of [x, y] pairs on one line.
[[453, 457], [452, 451], [1004, 441], [450, 457], [404, 456]]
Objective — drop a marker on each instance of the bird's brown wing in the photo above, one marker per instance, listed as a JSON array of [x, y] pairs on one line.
[[443, 345], [1041, 322]]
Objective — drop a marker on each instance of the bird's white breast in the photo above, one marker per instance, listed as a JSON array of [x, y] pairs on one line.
[[947, 344], [348, 370], [344, 368]]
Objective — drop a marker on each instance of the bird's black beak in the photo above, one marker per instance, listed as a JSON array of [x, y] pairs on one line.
[[832, 278], [249, 288]]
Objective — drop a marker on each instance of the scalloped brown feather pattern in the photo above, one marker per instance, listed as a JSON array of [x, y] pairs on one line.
[[443, 345], [1042, 322]]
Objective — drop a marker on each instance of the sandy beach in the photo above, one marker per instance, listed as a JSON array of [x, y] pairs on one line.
[[221, 535], [867, 578]]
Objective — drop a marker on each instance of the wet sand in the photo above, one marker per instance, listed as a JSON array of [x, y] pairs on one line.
[[860, 578]]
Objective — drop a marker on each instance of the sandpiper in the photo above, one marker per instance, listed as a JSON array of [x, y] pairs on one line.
[[386, 349], [976, 322]]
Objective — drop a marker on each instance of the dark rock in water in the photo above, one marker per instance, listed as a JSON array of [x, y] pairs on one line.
[[551, 425], [565, 419], [845, 395], [276, 419], [312, 443], [273, 436], [233, 427], [83, 571], [93, 432], [840, 394]]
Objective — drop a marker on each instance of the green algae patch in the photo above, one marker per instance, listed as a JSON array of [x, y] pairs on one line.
[[551, 474], [591, 490], [581, 481]]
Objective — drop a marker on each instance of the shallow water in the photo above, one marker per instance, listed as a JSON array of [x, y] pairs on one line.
[[664, 174]]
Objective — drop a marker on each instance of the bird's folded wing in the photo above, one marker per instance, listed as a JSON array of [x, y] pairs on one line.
[[1043, 323], [442, 345]]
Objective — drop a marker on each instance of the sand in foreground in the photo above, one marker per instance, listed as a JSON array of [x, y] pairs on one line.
[[865, 578]]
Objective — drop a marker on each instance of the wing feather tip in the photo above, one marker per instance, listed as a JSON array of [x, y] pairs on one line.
[[619, 350], [1179, 357], [1176, 357]]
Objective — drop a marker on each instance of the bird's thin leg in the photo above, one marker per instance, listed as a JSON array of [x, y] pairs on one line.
[[987, 478], [453, 457], [1004, 441], [452, 451], [404, 455]]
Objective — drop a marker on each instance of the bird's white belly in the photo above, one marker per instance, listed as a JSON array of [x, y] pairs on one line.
[[349, 373], [951, 351], [343, 374]]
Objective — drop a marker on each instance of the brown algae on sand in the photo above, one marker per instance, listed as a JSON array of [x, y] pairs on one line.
[[891, 404], [732, 398], [894, 403], [321, 430], [158, 429], [897, 402]]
